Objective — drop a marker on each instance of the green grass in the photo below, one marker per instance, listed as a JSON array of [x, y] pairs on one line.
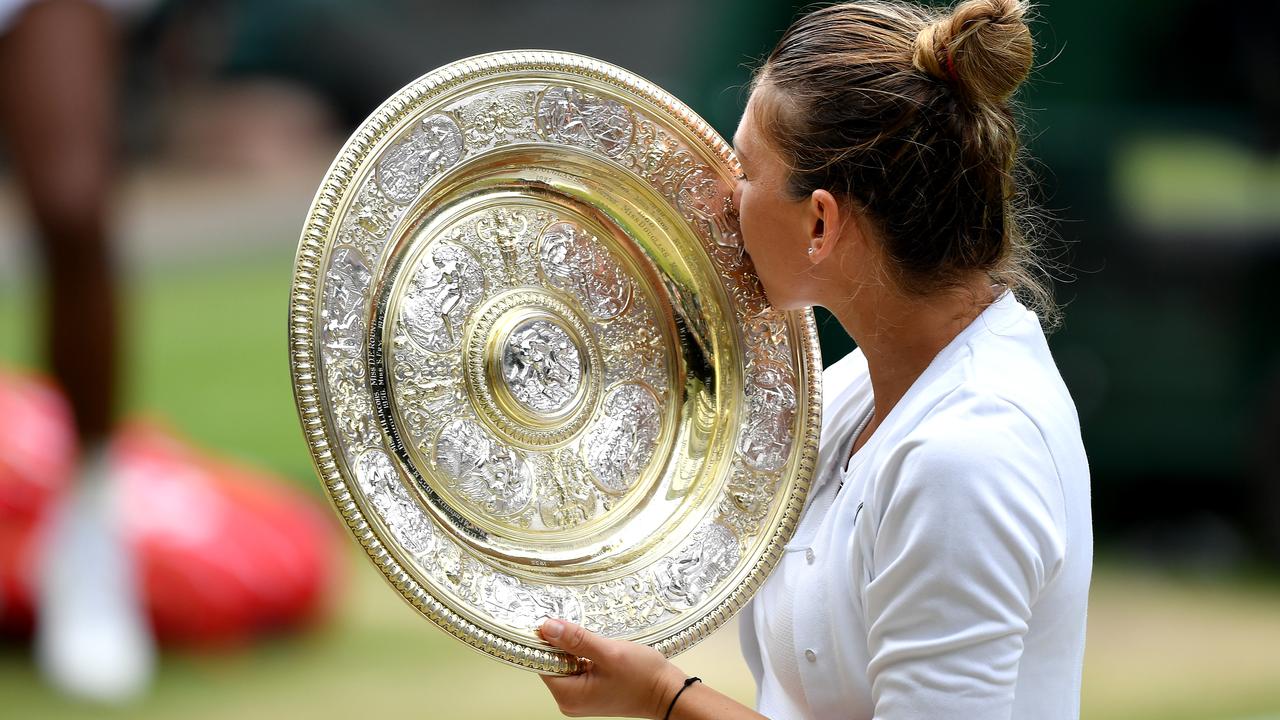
[[205, 353], [207, 347]]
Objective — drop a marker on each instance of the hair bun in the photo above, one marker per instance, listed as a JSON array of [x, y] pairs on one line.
[[984, 48]]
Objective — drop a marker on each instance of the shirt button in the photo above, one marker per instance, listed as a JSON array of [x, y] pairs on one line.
[[808, 555], [810, 655]]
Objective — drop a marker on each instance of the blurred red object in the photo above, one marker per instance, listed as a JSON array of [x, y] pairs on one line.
[[225, 553], [37, 451], [37, 446]]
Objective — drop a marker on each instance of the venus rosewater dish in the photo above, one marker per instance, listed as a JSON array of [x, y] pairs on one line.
[[536, 372]]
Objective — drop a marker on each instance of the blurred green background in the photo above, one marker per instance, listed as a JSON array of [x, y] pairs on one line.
[[1156, 126]]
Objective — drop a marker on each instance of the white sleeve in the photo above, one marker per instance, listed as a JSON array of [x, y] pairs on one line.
[[966, 540]]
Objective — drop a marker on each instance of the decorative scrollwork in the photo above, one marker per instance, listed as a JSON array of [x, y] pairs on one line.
[[428, 386], [746, 503], [368, 221], [568, 498], [617, 607], [635, 349]]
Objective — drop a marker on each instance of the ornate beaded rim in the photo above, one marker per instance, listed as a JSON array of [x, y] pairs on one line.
[[305, 300]]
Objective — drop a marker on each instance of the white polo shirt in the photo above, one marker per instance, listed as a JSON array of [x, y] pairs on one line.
[[949, 577]]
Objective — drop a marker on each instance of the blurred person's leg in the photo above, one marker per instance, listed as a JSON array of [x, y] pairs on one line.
[[58, 78], [57, 87]]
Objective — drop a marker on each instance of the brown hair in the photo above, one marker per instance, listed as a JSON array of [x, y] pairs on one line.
[[907, 111]]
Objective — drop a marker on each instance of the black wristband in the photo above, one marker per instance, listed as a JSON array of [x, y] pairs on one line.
[[672, 706]]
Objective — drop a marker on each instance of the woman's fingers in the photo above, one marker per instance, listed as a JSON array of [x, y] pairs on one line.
[[572, 638], [571, 692], [621, 679]]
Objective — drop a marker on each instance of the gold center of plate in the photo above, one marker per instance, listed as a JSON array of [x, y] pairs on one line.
[[533, 370]]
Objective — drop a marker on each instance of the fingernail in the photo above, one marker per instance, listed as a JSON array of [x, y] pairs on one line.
[[551, 629]]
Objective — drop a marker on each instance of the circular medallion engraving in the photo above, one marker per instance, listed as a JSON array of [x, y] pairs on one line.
[[486, 472], [541, 366], [533, 368], [446, 285], [621, 444]]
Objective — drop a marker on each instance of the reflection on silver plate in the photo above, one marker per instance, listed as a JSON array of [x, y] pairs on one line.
[[535, 370]]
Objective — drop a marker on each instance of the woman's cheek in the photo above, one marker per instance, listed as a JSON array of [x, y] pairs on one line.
[[746, 226], [747, 235]]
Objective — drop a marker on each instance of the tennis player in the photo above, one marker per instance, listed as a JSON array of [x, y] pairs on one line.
[[941, 567]]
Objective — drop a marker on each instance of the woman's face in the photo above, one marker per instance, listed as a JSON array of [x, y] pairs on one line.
[[774, 227]]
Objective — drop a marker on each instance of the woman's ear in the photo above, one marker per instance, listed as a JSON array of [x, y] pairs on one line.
[[825, 221]]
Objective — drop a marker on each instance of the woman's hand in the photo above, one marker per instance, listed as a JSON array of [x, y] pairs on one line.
[[623, 679]]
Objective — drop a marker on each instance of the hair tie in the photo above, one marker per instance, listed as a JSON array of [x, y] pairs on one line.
[[951, 67]]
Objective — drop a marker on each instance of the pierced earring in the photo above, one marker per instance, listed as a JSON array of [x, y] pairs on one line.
[[811, 251]]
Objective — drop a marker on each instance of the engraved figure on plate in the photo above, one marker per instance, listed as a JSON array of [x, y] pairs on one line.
[[433, 144], [542, 366], [771, 406], [512, 602], [446, 286], [483, 470], [378, 478], [622, 442], [573, 117], [498, 118], [346, 286], [699, 565], [575, 261]]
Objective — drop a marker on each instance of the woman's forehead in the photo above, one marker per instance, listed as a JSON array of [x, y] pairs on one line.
[[748, 140], [739, 142], [744, 137]]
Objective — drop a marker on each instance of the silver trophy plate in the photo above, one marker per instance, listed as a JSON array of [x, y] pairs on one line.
[[535, 370]]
